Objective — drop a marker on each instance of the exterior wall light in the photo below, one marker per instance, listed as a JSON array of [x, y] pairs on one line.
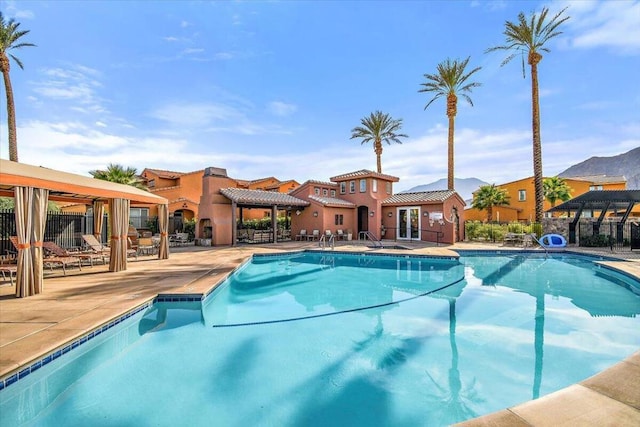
[[425, 213], [298, 212], [390, 214], [372, 213], [315, 213]]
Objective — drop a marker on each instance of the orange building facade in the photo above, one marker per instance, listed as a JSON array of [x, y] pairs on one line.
[[522, 197]]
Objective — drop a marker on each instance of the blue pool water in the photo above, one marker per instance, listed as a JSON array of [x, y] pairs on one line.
[[323, 340]]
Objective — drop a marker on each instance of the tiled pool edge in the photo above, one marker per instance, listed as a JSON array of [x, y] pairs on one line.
[[22, 372]]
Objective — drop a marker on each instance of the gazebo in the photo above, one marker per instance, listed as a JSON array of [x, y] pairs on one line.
[[32, 187]]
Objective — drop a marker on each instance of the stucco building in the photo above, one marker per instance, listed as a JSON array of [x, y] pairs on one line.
[[522, 197], [360, 204]]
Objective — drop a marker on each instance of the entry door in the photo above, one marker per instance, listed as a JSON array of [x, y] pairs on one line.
[[409, 223]]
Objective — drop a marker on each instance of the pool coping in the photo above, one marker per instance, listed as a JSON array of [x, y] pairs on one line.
[[603, 388]]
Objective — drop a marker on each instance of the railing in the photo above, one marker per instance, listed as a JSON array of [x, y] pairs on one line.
[[322, 242], [367, 235], [432, 236], [615, 235]]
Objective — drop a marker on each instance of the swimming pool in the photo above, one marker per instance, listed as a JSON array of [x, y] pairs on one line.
[[337, 339]]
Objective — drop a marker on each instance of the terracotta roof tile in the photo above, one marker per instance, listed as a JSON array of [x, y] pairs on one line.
[[422, 196], [332, 201], [364, 173], [260, 197]]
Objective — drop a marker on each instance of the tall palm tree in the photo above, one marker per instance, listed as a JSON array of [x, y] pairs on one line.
[[9, 39], [117, 173], [529, 37], [489, 196], [379, 127], [556, 188], [450, 81]]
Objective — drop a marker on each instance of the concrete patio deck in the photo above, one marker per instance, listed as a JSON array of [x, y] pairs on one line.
[[79, 302]]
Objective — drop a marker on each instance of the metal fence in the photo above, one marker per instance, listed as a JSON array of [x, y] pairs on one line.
[[613, 234], [66, 229]]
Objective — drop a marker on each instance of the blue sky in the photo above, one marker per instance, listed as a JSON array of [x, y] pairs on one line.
[[274, 88]]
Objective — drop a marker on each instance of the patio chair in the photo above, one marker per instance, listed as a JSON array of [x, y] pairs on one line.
[[8, 269], [146, 246], [302, 235], [97, 247], [339, 234], [315, 235], [60, 252], [52, 261], [328, 234]]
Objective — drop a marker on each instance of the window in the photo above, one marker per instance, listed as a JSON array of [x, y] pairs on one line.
[[363, 185], [352, 186], [139, 212], [374, 185], [151, 183], [266, 214], [595, 187], [316, 190], [325, 192], [339, 219], [522, 195], [333, 193], [343, 187], [388, 185]]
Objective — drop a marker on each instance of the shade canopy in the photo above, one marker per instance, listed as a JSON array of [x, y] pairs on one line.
[[600, 200], [32, 186], [69, 187]]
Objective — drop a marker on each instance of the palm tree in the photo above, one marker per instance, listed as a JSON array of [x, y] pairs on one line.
[[556, 188], [489, 196], [379, 127], [450, 81], [117, 173], [9, 39], [530, 37]]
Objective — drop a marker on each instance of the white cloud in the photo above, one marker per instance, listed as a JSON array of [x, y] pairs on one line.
[[613, 24], [76, 84], [281, 109], [190, 51], [195, 115]]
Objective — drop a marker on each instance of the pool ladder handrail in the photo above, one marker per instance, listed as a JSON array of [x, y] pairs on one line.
[[367, 235], [535, 239], [323, 242]]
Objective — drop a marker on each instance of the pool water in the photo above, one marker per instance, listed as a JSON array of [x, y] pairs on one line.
[[360, 340]]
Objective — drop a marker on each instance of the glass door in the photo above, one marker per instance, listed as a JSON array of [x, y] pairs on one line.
[[409, 223]]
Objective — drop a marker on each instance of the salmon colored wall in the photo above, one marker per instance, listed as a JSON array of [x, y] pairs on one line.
[[188, 186]]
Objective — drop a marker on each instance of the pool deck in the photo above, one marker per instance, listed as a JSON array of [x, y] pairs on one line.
[[79, 302]]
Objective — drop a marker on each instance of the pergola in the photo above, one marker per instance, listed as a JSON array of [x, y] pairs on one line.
[[244, 198], [32, 187], [599, 200]]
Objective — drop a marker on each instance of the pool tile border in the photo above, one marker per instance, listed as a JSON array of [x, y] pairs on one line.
[[53, 355]]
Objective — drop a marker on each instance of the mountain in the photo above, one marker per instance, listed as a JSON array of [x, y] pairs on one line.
[[464, 186], [627, 165]]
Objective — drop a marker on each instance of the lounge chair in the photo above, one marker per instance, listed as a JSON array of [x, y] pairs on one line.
[[8, 269], [60, 252], [97, 247], [55, 260]]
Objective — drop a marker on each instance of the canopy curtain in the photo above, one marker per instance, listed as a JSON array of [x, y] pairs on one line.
[[163, 224], [39, 212], [23, 197], [98, 216], [119, 224]]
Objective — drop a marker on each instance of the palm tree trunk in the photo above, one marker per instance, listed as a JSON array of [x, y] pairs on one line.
[[489, 213], [452, 104], [11, 112], [378, 150], [534, 58]]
